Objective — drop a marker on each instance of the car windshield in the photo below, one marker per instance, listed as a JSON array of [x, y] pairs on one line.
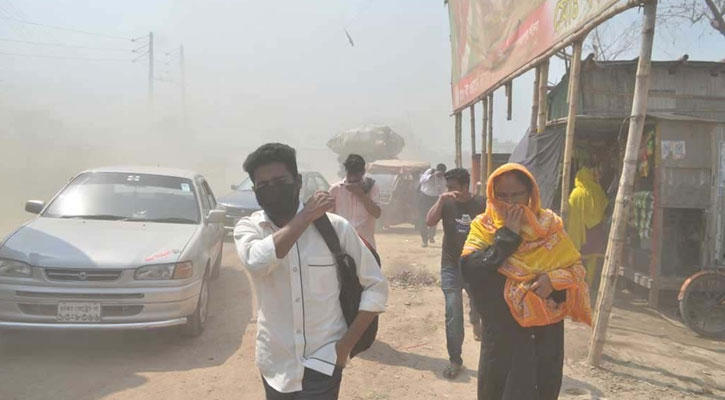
[[246, 185], [129, 197]]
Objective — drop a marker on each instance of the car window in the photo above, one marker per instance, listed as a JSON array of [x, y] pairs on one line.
[[209, 193], [117, 195], [205, 205]]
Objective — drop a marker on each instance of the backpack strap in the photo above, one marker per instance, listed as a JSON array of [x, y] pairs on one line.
[[324, 226]]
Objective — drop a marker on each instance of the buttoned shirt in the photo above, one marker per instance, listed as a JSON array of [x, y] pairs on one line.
[[299, 318]]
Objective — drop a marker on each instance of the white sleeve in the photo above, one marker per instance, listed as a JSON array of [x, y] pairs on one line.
[[258, 253]]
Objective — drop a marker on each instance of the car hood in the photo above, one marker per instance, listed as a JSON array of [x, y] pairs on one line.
[[77, 243], [242, 199]]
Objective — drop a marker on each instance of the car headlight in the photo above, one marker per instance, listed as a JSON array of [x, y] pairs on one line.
[[15, 269], [162, 272]]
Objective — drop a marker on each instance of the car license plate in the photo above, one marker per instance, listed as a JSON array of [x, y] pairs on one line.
[[79, 312]]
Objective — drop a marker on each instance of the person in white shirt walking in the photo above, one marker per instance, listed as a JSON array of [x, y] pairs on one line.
[[356, 198], [432, 185], [303, 341]]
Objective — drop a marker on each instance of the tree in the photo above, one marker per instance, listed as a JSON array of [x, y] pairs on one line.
[[609, 41]]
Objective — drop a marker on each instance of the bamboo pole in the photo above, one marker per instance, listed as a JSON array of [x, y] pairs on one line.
[[535, 101], [543, 100], [573, 96], [613, 256], [489, 153], [484, 144], [509, 100], [473, 132], [459, 157]]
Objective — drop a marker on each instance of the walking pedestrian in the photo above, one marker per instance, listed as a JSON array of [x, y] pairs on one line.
[[303, 340], [356, 198], [457, 208], [432, 185], [526, 276]]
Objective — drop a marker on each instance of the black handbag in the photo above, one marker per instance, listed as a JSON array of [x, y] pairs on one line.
[[350, 288]]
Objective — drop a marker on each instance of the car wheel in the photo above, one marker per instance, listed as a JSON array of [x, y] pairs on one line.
[[196, 322], [217, 266]]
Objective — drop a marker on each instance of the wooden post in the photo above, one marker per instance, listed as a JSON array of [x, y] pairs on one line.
[[489, 153], [543, 101], [617, 235], [576, 62], [657, 225], [473, 131], [484, 145], [459, 157], [535, 101]]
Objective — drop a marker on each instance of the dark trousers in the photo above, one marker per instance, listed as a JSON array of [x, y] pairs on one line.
[[315, 386], [425, 203]]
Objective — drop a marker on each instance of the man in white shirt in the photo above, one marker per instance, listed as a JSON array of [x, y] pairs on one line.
[[432, 185], [356, 198], [303, 341]]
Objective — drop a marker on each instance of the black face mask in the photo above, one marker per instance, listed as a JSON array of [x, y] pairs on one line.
[[279, 200]]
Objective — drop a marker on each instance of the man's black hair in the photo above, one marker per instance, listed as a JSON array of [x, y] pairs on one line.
[[441, 167], [354, 164], [271, 153], [459, 175]]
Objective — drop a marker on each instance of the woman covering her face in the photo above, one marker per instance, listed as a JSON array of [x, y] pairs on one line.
[[525, 276]]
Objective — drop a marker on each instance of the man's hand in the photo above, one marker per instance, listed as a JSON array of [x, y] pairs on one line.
[[542, 286], [343, 353], [317, 206], [355, 188], [451, 195]]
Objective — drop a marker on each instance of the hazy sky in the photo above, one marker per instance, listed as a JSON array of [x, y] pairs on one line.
[[275, 68]]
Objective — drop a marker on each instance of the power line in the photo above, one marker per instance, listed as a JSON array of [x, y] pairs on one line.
[[62, 28], [61, 45], [62, 57]]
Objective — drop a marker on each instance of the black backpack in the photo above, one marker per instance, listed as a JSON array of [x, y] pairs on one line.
[[350, 288]]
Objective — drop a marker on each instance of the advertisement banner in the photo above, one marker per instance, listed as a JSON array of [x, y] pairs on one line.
[[491, 39]]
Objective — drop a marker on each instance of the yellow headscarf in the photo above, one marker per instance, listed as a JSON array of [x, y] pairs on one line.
[[545, 248], [587, 204]]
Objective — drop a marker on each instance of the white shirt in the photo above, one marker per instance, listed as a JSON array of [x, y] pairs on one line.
[[432, 184], [299, 317]]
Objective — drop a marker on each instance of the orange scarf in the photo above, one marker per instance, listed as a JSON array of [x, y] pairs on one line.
[[545, 249]]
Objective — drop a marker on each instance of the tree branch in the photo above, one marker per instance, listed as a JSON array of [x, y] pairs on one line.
[[717, 18]]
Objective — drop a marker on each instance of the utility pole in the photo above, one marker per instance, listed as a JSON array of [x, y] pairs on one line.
[[151, 67], [182, 68], [615, 247]]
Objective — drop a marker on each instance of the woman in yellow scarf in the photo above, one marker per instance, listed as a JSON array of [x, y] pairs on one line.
[[525, 277], [587, 204]]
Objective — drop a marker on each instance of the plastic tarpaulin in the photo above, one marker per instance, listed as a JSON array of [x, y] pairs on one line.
[[373, 142], [542, 154]]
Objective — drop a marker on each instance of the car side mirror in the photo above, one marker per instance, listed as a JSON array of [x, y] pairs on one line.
[[34, 206], [216, 217]]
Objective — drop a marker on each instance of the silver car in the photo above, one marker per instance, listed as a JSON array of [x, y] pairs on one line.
[[116, 248]]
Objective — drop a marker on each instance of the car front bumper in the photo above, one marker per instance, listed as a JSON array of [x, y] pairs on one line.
[[35, 307]]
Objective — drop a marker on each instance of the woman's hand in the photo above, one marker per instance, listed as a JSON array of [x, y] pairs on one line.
[[542, 286], [512, 217]]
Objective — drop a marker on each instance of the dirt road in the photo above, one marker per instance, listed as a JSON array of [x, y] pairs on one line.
[[646, 358]]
